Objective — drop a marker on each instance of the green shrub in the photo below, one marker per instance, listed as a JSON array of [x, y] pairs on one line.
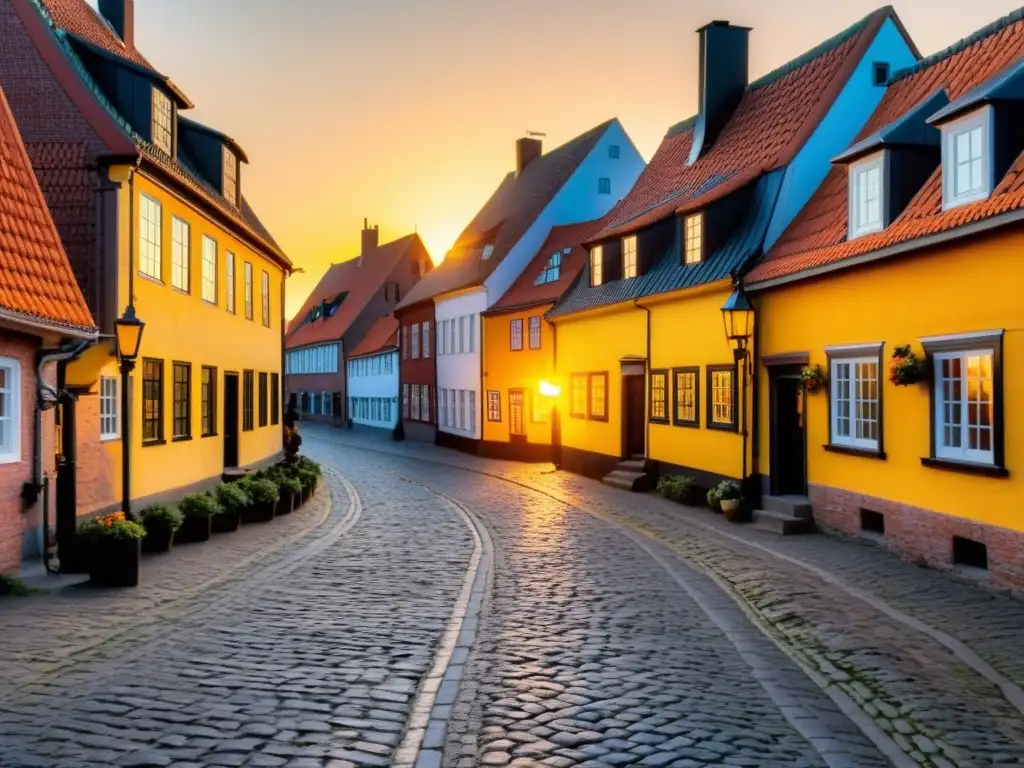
[[11, 586], [288, 484], [679, 488], [112, 526], [232, 498], [729, 489], [199, 505], [308, 479], [308, 464], [160, 517], [264, 492]]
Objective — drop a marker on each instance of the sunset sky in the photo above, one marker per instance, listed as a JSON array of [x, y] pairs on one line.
[[406, 111]]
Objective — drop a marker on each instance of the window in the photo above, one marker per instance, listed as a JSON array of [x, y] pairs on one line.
[[471, 321], [694, 239], [265, 297], [247, 397], [275, 399], [721, 397], [659, 397], [163, 116], [441, 336], [472, 411], [516, 335], [426, 340], [231, 282], [230, 176], [405, 342], [415, 402], [578, 405], [516, 404], [856, 408], [179, 254], [462, 409], [152, 400], [109, 428], [182, 421], [442, 407], [629, 267], [10, 410], [613, 151], [264, 405], [535, 332], [451, 337], [415, 341], [405, 401], [880, 73], [488, 250], [552, 270], [966, 159], [208, 401], [597, 403], [248, 291], [210, 270], [686, 397], [966, 399], [263, 401], [493, 405], [604, 186], [866, 196], [596, 265], [425, 402], [150, 237], [463, 346]]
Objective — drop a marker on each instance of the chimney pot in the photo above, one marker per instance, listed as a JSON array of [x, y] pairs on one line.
[[121, 16], [371, 237], [724, 76], [528, 149]]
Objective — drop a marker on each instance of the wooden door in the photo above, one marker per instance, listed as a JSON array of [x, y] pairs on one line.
[[516, 409], [788, 460], [634, 412], [230, 420]]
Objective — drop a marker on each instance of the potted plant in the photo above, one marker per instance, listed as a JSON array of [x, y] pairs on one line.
[[160, 522], [290, 490], [813, 379], [714, 500], [198, 511], [678, 488], [906, 368], [232, 500], [730, 499], [263, 497], [115, 549]]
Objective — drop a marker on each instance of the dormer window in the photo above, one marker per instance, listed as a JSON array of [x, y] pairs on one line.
[[552, 270], [488, 250], [867, 195], [629, 257], [693, 235], [967, 159], [162, 132], [596, 265], [230, 176]]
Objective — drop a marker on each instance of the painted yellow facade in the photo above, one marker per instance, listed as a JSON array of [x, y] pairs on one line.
[[182, 327], [962, 288]]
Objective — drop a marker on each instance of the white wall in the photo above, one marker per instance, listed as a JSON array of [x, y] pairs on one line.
[[383, 385], [460, 371]]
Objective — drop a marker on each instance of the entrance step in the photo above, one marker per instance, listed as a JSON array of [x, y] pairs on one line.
[[627, 480], [782, 523], [793, 506], [636, 464]]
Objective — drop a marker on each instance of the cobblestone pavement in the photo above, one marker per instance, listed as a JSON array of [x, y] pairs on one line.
[[928, 665]]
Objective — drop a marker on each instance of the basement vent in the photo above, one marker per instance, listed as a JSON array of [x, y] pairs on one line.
[[872, 522], [970, 553]]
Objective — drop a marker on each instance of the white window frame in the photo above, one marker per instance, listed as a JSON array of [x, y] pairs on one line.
[[426, 339], [859, 180], [472, 411], [230, 185], [10, 418], [629, 257], [534, 331], [414, 412], [415, 336], [596, 265], [162, 123], [209, 272], [963, 453], [181, 255], [855, 357], [230, 287], [247, 272], [150, 237], [693, 238], [951, 132], [110, 415]]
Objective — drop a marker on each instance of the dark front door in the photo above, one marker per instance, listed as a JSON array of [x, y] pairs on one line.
[[788, 461], [633, 410], [516, 427], [230, 420]]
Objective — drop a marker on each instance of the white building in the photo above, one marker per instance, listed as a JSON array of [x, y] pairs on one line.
[[372, 377]]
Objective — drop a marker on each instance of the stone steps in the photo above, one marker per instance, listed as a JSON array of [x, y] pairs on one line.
[[782, 523], [627, 480]]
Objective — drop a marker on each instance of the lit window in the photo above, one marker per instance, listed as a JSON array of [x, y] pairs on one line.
[[152, 401], [415, 402], [516, 405], [552, 270], [966, 159], [426, 339], [208, 401], [694, 226], [265, 297], [721, 397], [230, 176], [866, 196], [856, 411], [578, 404], [964, 398], [248, 291], [629, 257], [10, 410], [516, 335], [597, 402], [162, 122], [182, 421], [493, 405], [109, 428], [179, 254], [150, 219], [604, 186], [209, 269], [659, 396], [686, 396], [535, 332], [231, 282], [596, 265]]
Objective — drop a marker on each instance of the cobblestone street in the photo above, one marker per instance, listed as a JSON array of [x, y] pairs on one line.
[[429, 608]]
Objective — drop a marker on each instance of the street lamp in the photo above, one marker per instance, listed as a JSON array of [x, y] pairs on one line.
[[128, 332], [738, 317], [552, 391]]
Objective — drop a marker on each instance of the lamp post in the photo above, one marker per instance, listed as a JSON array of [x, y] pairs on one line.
[[552, 391], [128, 332], [738, 318]]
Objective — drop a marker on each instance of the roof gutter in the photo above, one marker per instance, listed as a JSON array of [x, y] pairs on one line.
[[41, 325], [918, 243]]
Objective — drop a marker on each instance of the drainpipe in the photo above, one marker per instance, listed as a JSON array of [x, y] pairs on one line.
[[754, 427], [647, 421], [556, 423]]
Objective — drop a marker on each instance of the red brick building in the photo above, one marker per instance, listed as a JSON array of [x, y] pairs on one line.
[[418, 370], [43, 318]]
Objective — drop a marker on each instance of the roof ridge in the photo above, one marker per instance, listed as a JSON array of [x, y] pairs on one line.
[[976, 37], [819, 50]]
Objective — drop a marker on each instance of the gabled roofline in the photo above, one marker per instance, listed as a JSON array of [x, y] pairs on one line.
[[386, 349], [234, 145]]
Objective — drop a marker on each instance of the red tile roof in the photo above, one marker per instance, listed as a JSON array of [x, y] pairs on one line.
[[524, 291], [383, 334], [817, 237], [362, 277], [37, 283], [79, 18], [776, 115], [505, 218]]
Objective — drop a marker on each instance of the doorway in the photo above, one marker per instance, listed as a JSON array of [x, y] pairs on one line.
[[634, 416], [230, 420], [517, 429], [788, 434]]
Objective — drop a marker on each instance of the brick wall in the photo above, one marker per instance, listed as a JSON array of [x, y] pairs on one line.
[[921, 535], [97, 471]]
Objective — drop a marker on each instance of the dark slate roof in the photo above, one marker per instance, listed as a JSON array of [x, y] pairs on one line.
[[908, 129], [669, 274]]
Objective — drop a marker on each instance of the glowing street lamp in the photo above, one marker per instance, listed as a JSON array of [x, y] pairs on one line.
[[128, 333], [552, 391]]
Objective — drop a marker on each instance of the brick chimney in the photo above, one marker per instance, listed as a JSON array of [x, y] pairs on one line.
[[724, 74], [370, 237], [121, 16], [528, 149]]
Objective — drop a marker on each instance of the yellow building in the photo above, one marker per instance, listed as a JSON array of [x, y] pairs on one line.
[[151, 210], [902, 251]]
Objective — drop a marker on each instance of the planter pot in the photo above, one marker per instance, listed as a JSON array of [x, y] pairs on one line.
[[225, 523], [74, 555], [194, 529], [734, 511], [258, 513], [158, 540], [285, 505], [115, 562]]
